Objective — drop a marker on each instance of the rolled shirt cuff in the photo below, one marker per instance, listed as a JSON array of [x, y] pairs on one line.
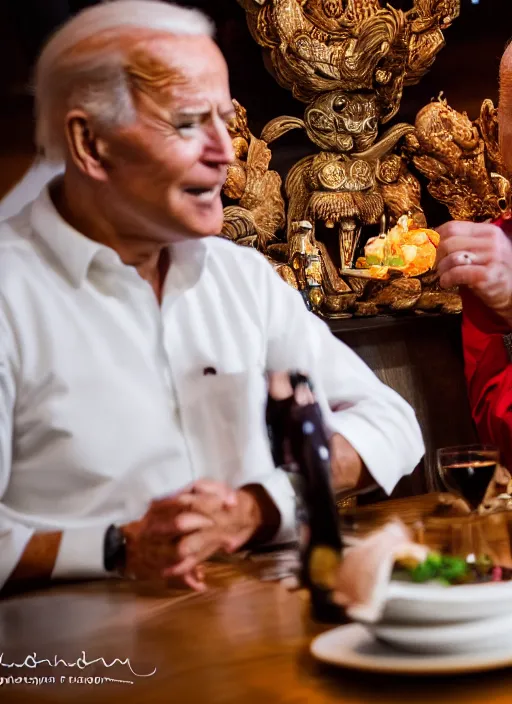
[[81, 554], [280, 490], [386, 468]]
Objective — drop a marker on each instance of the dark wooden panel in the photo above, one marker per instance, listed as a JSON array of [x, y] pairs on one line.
[[421, 358]]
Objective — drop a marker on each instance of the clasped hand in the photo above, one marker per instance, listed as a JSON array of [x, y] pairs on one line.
[[179, 532]]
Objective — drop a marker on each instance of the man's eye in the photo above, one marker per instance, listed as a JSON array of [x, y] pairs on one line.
[[187, 127]]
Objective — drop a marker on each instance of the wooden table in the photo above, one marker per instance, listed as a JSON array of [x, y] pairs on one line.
[[244, 641]]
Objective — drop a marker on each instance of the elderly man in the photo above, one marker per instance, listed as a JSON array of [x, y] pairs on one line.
[[478, 257], [134, 348]]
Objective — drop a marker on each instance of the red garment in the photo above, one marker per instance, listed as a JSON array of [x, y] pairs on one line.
[[488, 374]]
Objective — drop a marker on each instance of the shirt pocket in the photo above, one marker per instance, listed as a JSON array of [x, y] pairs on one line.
[[223, 419]]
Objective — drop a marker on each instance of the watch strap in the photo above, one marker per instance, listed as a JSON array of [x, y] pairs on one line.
[[114, 549]]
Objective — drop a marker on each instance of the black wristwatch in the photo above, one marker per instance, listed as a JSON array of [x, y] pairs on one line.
[[114, 549]]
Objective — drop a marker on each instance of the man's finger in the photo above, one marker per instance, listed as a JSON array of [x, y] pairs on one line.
[[476, 246], [208, 505], [168, 505], [466, 229], [279, 386], [195, 579], [188, 522], [233, 543], [191, 580], [181, 569], [469, 275], [185, 522], [222, 491], [187, 500], [460, 258], [195, 549], [200, 544], [303, 395]]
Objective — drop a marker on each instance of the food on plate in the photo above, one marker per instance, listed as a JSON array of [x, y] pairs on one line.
[[405, 248], [450, 570], [366, 569], [389, 553]]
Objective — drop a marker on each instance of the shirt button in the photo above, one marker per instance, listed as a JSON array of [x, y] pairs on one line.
[[209, 371]]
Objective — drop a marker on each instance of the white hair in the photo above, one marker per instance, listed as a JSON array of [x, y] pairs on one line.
[[95, 80]]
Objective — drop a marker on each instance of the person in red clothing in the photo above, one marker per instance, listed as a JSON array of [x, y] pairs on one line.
[[478, 258]]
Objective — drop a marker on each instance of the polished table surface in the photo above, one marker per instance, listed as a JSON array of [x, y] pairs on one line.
[[243, 641]]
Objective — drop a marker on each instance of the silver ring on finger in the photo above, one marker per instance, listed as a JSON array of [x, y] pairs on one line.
[[465, 258]]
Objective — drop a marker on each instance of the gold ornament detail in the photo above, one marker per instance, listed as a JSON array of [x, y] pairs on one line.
[[348, 61]]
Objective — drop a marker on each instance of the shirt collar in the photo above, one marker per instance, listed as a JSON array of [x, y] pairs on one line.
[[75, 252]]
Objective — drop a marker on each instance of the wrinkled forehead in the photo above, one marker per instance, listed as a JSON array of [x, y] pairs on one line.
[[169, 63], [167, 66], [178, 68]]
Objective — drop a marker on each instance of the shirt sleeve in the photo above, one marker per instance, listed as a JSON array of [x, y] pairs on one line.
[[13, 535], [488, 370], [81, 550], [81, 554], [378, 423]]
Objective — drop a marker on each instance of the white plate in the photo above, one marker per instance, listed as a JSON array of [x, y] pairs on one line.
[[431, 603], [453, 638], [354, 647]]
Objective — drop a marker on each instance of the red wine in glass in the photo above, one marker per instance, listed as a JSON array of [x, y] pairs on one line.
[[468, 470]]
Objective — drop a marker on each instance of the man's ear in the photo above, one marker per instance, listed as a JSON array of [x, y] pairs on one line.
[[88, 151]]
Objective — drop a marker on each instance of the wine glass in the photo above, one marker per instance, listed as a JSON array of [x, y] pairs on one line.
[[467, 470]]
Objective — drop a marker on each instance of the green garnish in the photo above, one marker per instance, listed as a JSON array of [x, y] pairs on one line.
[[394, 261], [450, 570], [446, 570]]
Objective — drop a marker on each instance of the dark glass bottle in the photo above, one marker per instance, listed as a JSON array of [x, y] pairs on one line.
[[300, 446]]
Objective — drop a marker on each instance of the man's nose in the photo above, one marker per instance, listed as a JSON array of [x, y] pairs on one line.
[[222, 146]]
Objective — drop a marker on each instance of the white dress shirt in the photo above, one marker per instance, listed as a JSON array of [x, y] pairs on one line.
[[104, 403]]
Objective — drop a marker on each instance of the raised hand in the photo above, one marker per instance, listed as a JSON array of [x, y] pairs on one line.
[[477, 255]]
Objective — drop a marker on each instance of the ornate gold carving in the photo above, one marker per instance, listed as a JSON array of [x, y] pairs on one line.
[[260, 213], [350, 46], [348, 61], [461, 160]]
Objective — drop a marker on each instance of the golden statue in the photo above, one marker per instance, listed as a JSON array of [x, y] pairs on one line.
[[349, 61]]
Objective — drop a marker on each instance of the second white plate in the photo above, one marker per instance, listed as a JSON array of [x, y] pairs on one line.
[[451, 638], [354, 647]]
